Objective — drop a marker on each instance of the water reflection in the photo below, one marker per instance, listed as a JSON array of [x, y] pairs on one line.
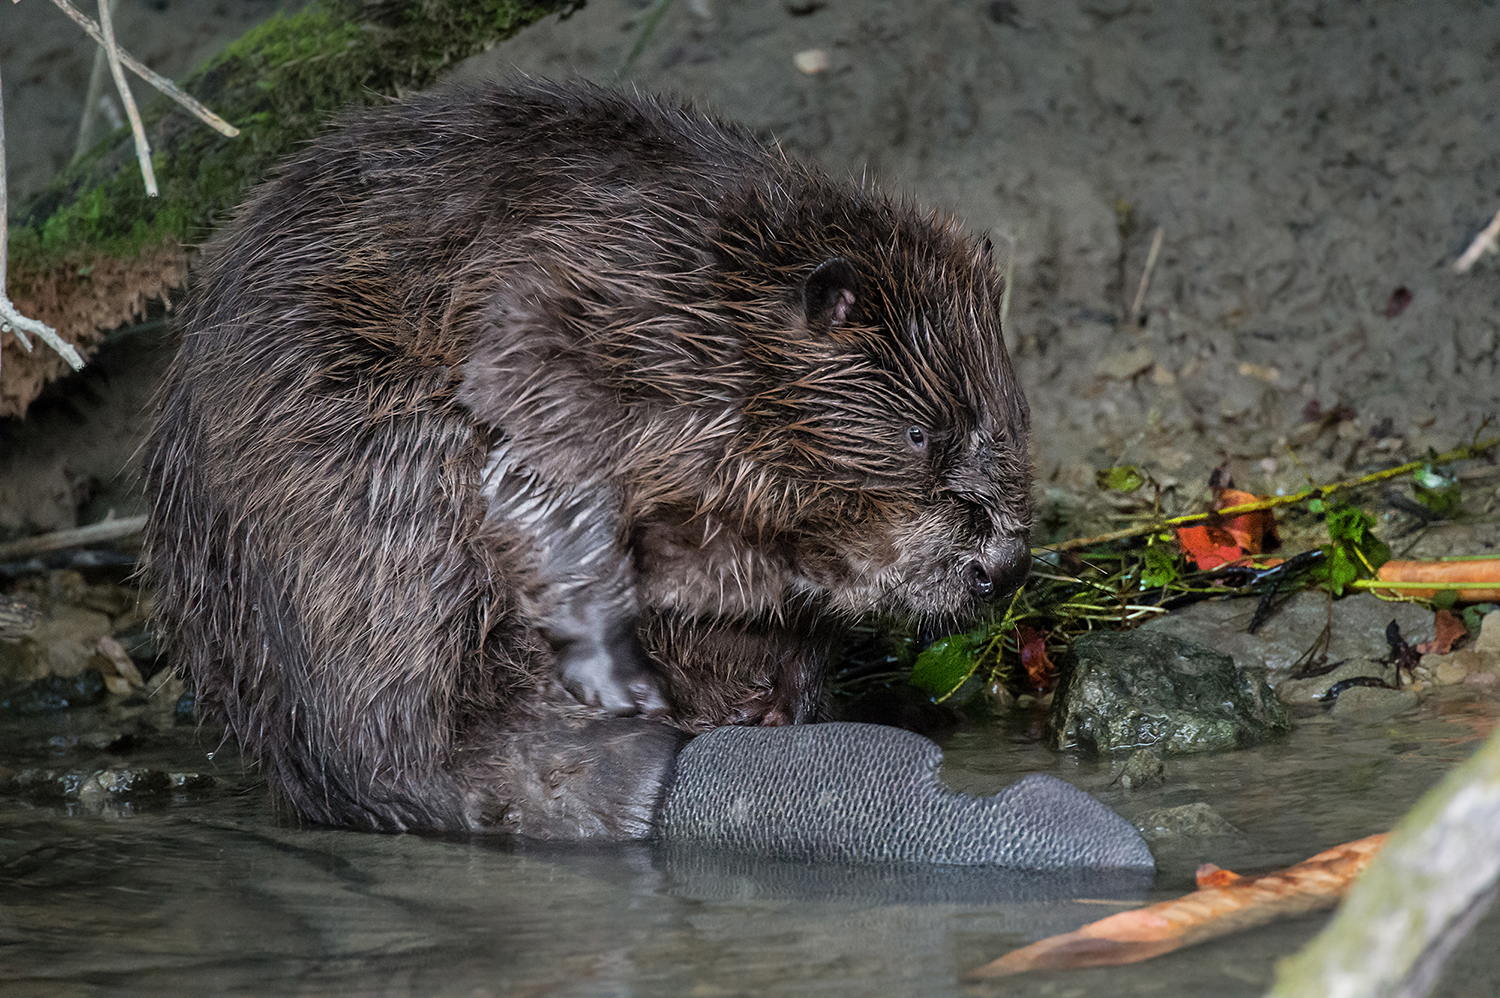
[[214, 893]]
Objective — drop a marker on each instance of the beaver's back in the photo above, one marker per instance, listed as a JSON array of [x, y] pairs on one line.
[[625, 296], [316, 533]]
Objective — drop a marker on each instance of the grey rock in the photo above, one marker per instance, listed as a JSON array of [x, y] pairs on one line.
[[1190, 821], [1142, 768], [1368, 703], [1306, 692], [1356, 628], [1134, 689]]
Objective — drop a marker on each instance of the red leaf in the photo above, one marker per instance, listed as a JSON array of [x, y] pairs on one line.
[[1039, 668], [1229, 539], [1208, 545]]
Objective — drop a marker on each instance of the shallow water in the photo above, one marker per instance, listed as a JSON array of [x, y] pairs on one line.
[[214, 893]]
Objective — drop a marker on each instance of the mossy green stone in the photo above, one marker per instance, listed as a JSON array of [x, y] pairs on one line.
[[278, 83], [1136, 689]]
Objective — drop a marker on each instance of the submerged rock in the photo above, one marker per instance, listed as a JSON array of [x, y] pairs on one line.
[[55, 693], [1190, 821], [1143, 768], [1136, 689], [1371, 703], [87, 785]]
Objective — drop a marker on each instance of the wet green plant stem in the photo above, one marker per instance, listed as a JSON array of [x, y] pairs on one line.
[[1466, 453]]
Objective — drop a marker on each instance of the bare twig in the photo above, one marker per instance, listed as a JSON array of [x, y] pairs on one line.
[[10, 318], [140, 69], [1482, 244], [1010, 276], [88, 125], [142, 147], [1466, 453], [1140, 292], [94, 533]]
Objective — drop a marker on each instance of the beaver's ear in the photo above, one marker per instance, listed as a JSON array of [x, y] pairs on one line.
[[828, 294]]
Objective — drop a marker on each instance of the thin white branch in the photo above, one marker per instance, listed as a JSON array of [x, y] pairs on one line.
[[1482, 244], [1140, 292], [12, 320], [140, 69], [4, 206], [15, 322], [142, 147]]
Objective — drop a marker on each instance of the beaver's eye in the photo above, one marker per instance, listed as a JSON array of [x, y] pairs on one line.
[[917, 437]]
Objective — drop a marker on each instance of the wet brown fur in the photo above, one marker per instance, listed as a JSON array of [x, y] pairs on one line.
[[614, 292]]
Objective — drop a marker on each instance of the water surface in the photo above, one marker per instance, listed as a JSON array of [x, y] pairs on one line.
[[214, 892]]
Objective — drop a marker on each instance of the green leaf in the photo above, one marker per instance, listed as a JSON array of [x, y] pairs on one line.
[[1121, 478], [1316, 505], [1161, 565], [1438, 491], [1355, 551], [946, 664], [1342, 569], [1474, 614]]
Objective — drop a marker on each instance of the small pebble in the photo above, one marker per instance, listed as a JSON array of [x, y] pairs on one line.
[[1449, 673], [1488, 642], [811, 61]]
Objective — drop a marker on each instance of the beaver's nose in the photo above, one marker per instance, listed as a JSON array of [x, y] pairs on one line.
[[999, 570]]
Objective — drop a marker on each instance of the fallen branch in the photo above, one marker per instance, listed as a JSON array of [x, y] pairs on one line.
[[1475, 580], [1482, 244], [137, 130], [1228, 903], [146, 73], [10, 317], [94, 533]]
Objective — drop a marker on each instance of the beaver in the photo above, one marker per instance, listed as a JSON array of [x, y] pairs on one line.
[[520, 432]]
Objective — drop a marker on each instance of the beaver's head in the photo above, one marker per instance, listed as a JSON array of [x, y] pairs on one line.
[[886, 441]]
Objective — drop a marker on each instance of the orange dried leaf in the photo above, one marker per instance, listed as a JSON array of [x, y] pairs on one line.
[[1209, 545], [1132, 936], [1209, 875], [1232, 538], [1450, 627]]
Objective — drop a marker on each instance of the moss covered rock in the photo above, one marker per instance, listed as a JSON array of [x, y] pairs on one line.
[[1134, 689]]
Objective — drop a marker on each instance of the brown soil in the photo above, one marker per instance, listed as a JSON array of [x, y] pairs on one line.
[[1303, 160]]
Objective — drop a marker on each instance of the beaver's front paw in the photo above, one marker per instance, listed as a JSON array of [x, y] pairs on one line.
[[611, 672]]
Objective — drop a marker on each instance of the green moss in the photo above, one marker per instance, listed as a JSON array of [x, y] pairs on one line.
[[278, 83]]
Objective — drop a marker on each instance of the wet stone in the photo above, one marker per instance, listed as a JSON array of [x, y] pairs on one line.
[[1314, 689], [1369, 704], [1132, 690], [93, 785], [1143, 768], [1488, 641], [51, 694], [1355, 625], [1190, 821]]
